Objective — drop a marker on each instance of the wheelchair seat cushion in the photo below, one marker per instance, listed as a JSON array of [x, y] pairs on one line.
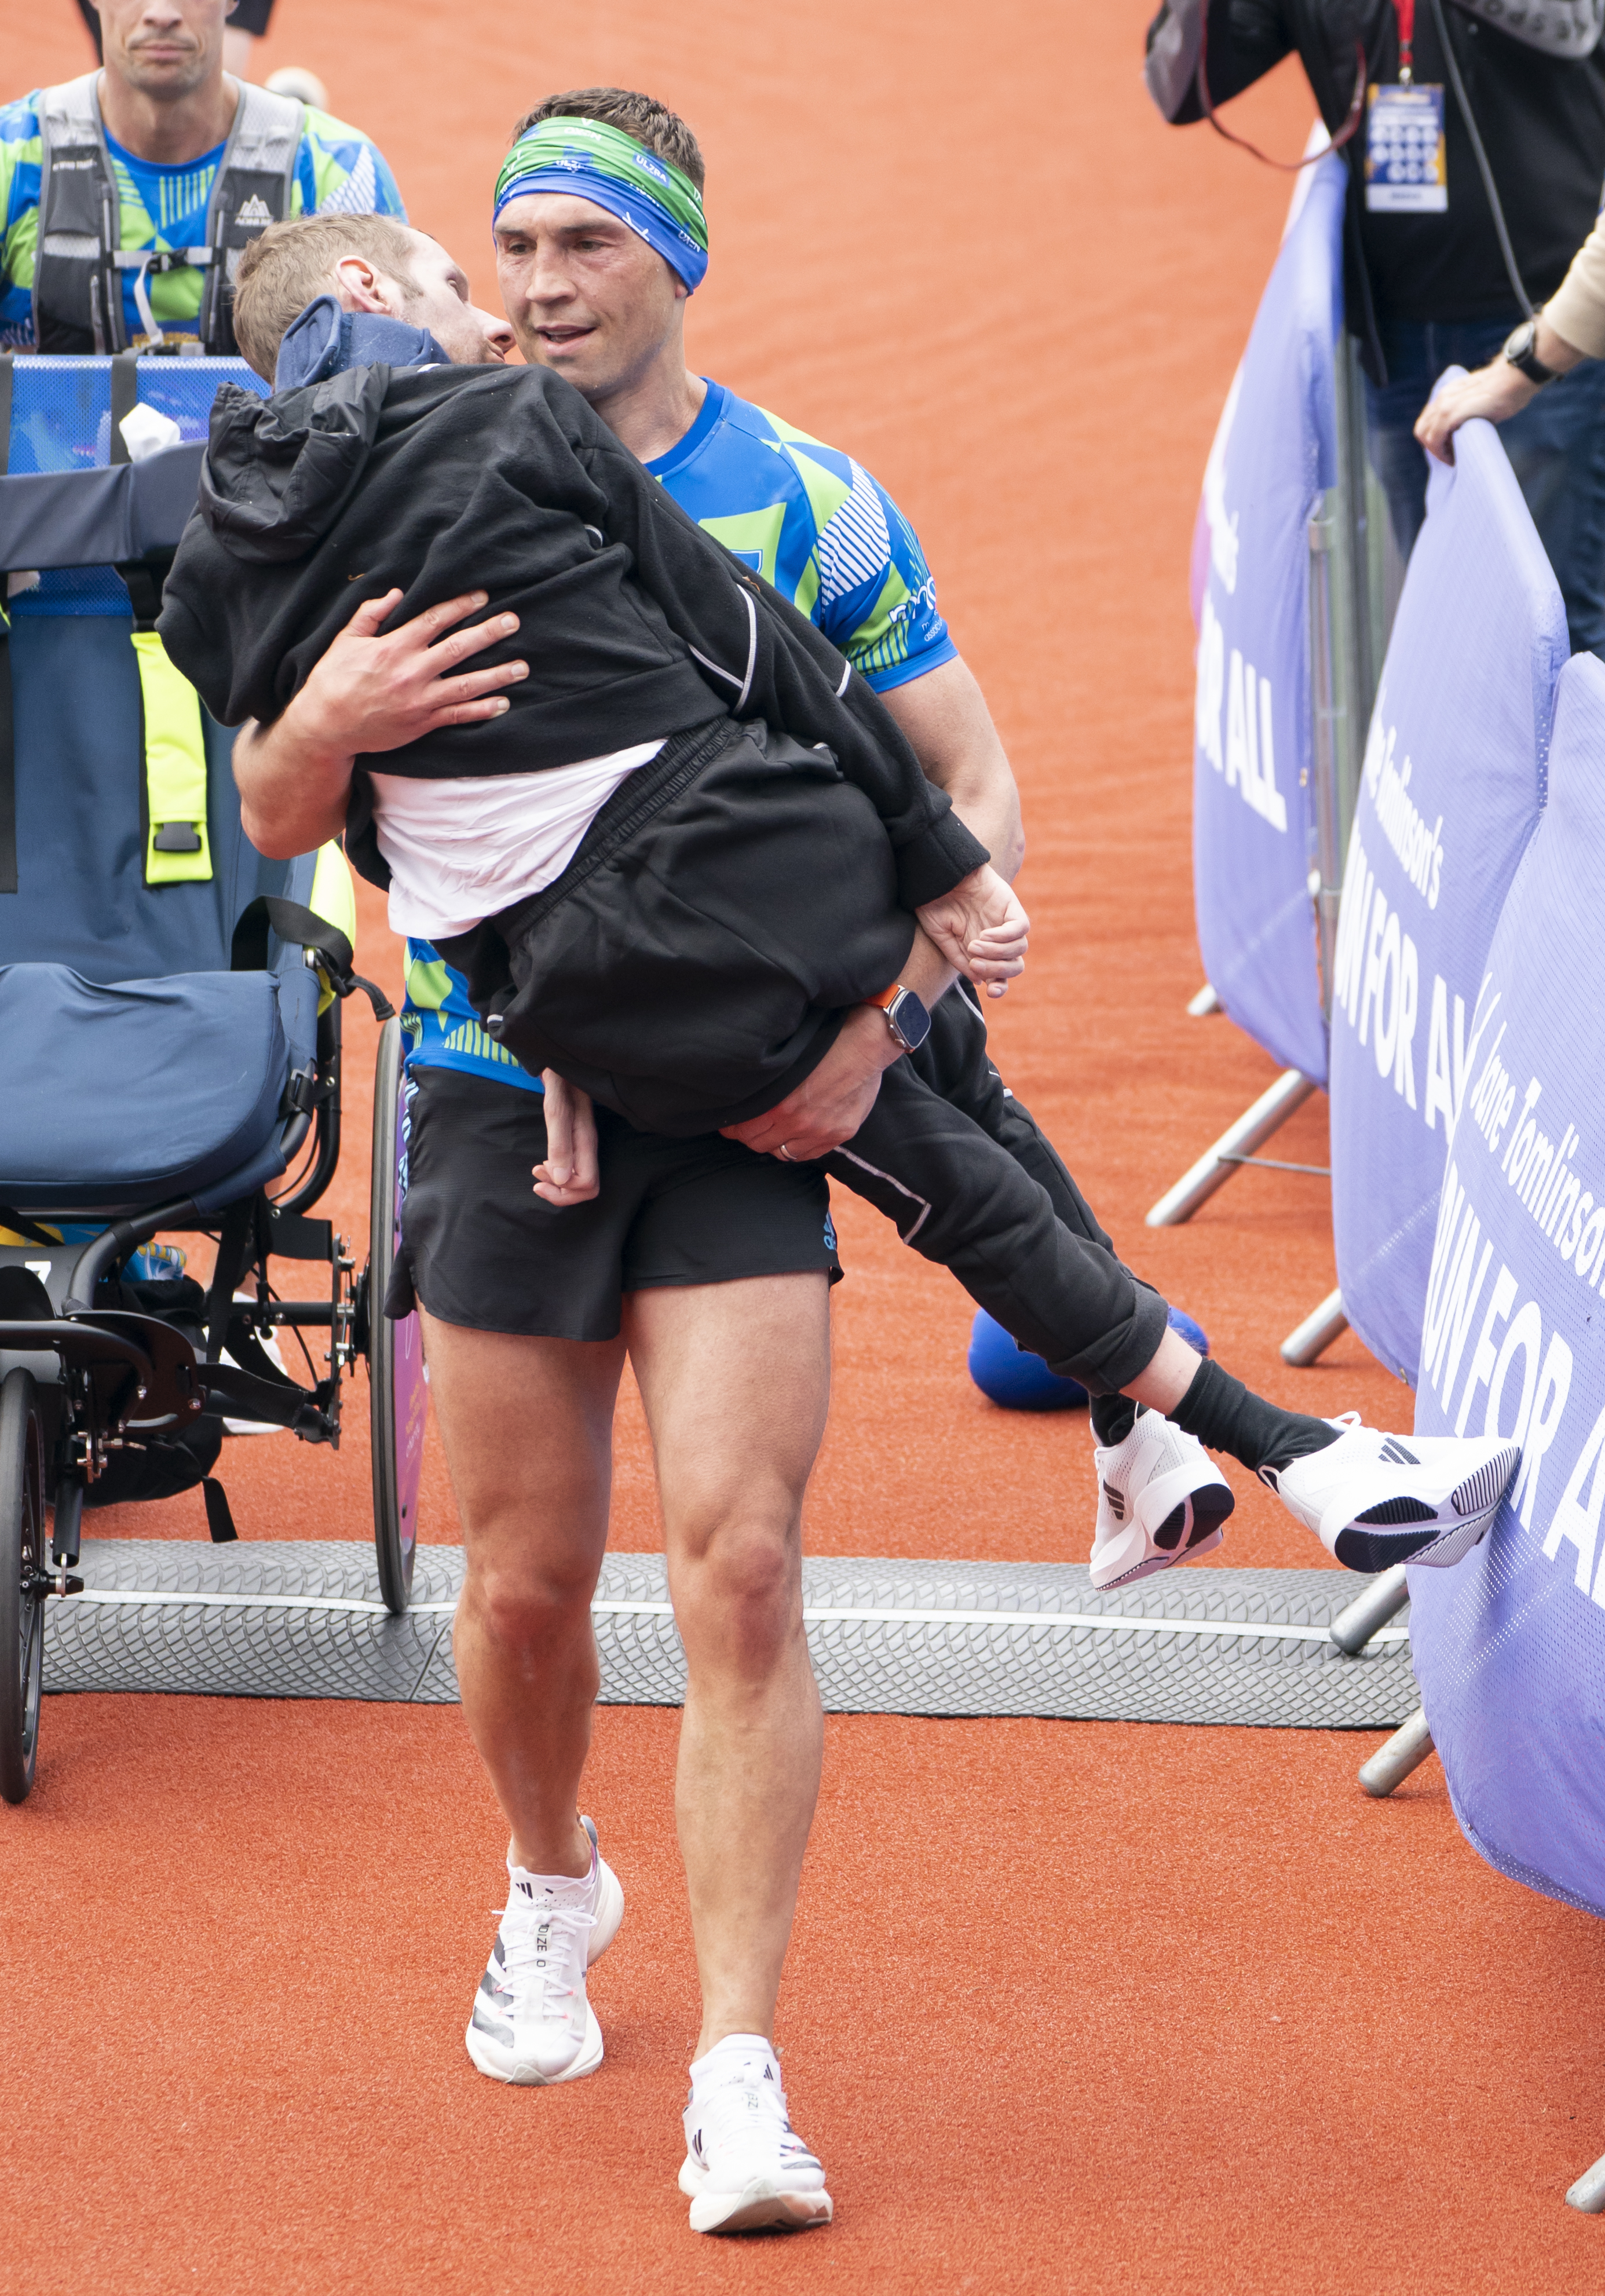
[[130, 1093]]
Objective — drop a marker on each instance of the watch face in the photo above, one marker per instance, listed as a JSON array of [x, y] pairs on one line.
[[910, 1018], [1521, 354]]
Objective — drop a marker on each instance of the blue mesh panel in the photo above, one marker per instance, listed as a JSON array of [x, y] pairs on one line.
[[58, 405], [61, 420]]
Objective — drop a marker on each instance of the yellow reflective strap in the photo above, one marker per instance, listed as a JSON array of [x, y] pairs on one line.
[[333, 895], [177, 846], [334, 899]]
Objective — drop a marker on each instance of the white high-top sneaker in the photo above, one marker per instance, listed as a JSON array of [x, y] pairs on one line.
[[532, 2024], [1373, 1500], [745, 2168], [1161, 1499]]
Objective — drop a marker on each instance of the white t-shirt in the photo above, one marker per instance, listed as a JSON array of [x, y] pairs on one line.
[[460, 850]]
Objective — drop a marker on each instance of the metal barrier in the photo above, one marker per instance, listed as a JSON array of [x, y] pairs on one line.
[[1391, 1765], [1371, 1609], [1353, 580]]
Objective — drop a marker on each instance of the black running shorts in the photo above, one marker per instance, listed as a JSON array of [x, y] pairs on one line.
[[479, 1247]]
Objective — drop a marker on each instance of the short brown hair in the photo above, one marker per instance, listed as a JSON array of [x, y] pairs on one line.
[[292, 263], [650, 123]]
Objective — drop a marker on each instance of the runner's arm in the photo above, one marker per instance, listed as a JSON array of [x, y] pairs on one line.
[[890, 628], [831, 1104], [949, 727]]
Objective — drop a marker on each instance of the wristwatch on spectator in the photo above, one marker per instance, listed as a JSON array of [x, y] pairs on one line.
[[905, 1016], [1519, 351]]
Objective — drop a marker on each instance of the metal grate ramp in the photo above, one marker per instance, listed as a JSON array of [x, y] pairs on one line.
[[302, 1619]]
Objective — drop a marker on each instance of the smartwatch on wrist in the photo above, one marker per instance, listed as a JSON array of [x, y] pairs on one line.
[[905, 1016], [1519, 351]]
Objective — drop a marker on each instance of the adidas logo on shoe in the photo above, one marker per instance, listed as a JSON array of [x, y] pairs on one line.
[[1117, 1502], [1374, 1500]]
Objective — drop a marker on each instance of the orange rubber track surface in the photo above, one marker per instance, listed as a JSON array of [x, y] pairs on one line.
[[1071, 2007]]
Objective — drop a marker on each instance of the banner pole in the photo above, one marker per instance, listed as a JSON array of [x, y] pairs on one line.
[[1587, 2196], [1372, 1608], [1216, 1165], [1405, 1751], [1350, 613], [1313, 1337]]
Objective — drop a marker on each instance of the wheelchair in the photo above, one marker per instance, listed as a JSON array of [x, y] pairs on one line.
[[170, 1006]]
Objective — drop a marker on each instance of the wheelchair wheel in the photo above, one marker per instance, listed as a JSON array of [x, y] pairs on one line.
[[23, 1568], [398, 1382]]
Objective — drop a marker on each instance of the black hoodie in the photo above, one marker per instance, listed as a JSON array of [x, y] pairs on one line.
[[635, 623]]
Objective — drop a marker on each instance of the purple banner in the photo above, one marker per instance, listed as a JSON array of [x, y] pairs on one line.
[[1253, 817], [1510, 1645], [1449, 796]]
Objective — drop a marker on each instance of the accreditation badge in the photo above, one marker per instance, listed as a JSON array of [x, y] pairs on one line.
[[1406, 169]]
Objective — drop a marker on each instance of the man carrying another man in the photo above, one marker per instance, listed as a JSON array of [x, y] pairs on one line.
[[718, 1278], [595, 281]]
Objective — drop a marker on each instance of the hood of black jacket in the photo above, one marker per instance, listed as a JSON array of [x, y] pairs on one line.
[[279, 472]]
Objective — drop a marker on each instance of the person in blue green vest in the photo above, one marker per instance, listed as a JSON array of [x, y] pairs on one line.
[[127, 196]]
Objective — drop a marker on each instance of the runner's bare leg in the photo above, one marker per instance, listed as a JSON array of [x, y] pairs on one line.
[[528, 1428], [735, 1379]]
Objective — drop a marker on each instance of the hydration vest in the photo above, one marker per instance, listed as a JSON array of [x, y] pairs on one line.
[[77, 298]]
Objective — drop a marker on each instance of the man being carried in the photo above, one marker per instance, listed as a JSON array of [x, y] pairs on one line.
[[287, 491]]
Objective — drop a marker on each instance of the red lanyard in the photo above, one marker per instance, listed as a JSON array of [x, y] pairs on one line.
[[1405, 10]]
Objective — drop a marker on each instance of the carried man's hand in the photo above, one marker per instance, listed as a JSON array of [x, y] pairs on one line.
[[981, 929], [569, 1172]]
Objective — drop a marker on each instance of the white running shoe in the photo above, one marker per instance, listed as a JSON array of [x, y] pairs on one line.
[[1161, 1499], [1374, 1500], [532, 2024], [745, 2169]]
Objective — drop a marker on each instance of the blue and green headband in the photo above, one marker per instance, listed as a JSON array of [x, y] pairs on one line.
[[595, 162]]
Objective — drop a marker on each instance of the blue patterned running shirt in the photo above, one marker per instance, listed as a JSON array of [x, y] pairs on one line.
[[814, 524]]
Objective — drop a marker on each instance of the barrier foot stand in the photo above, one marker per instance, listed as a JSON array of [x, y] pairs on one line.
[[1382, 1599], [1216, 1167], [1405, 1751], [1587, 2196], [1199, 1007], [1316, 1333]]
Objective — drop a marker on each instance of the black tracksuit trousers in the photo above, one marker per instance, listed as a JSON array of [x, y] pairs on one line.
[[971, 1183], [728, 899]]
